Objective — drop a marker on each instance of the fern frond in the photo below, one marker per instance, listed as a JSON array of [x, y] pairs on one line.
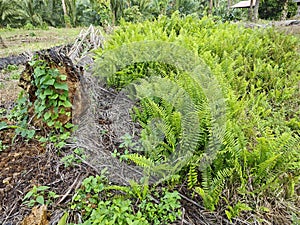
[[192, 176], [140, 160]]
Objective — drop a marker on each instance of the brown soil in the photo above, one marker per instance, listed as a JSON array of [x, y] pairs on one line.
[[25, 164]]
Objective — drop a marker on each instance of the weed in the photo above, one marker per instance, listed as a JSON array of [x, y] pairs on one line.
[[15, 76], [39, 195], [258, 73], [86, 198], [100, 203], [52, 95], [2, 146], [52, 102], [10, 68], [70, 160]]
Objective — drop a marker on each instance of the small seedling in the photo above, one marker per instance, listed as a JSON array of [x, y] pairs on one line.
[[70, 160], [2, 146], [38, 195]]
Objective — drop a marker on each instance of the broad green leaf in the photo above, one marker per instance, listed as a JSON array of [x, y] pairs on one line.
[[42, 188], [66, 104], [3, 125], [48, 92], [69, 125], [45, 78], [63, 77], [43, 139], [55, 96], [39, 72], [47, 115], [50, 123], [63, 219], [30, 133], [28, 195], [63, 97], [40, 108], [49, 82], [40, 200], [61, 86]]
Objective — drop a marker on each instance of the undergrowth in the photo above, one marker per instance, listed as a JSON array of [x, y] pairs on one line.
[[259, 72], [257, 165], [50, 108]]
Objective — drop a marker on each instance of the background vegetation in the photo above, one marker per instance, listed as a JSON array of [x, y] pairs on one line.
[[58, 13]]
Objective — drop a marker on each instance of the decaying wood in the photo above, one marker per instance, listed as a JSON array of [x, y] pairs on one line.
[[55, 59], [38, 216], [65, 60]]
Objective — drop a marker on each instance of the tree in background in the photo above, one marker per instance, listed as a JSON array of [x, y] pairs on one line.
[[67, 22], [228, 4], [211, 4], [256, 7], [117, 8], [186, 7], [284, 10], [57, 13], [250, 10], [275, 9], [7, 12], [96, 12]]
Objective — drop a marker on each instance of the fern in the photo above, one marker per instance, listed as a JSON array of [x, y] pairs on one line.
[[192, 176], [212, 186], [140, 160]]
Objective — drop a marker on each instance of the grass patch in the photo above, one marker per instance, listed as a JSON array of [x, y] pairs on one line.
[[21, 40]]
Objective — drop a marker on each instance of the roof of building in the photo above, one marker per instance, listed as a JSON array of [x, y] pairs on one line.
[[245, 4]]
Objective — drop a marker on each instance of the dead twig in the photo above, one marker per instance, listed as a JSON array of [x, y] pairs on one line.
[[69, 190]]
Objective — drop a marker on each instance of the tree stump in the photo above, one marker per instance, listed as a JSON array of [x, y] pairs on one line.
[[55, 60]]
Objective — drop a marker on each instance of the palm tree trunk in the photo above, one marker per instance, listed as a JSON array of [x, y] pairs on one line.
[[228, 4], [256, 7], [250, 12], [210, 7], [66, 17], [285, 10]]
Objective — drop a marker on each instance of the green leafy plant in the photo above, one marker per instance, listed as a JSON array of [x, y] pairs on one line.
[[117, 211], [71, 159], [102, 203], [51, 103], [87, 197], [2, 146], [39, 195], [10, 68], [235, 210], [19, 114], [52, 95], [164, 212]]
